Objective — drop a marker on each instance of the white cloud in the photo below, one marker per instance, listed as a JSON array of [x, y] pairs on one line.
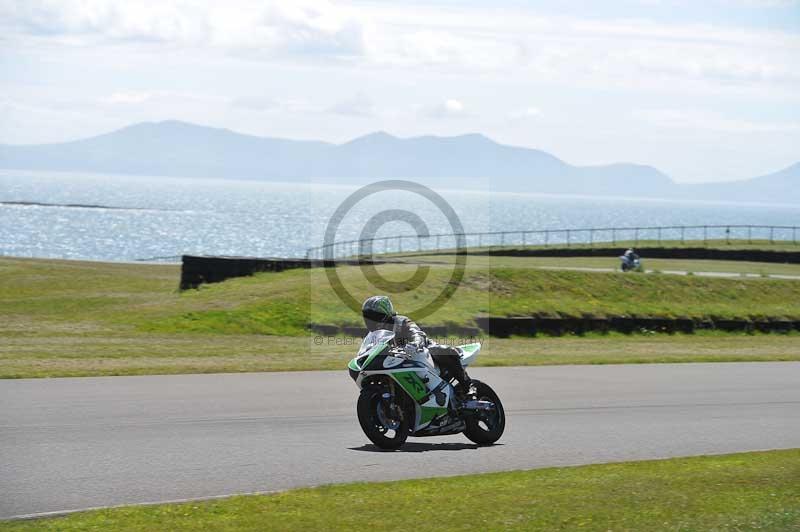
[[268, 28], [760, 3], [132, 98], [170, 21], [453, 106], [450, 108], [443, 47], [527, 112], [304, 27], [254, 103], [129, 97], [359, 105], [595, 53], [694, 120]]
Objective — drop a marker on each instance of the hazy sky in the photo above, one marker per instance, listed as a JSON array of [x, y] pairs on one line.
[[703, 90]]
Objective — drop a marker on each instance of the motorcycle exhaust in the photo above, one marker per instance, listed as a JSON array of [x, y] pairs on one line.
[[477, 405]]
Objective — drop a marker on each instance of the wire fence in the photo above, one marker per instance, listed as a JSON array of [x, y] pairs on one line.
[[166, 258], [589, 236]]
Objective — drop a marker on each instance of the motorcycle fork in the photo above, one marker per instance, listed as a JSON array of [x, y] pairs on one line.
[[393, 398], [400, 406]]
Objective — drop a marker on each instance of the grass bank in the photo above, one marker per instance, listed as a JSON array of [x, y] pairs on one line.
[[50, 296], [284, 303], [61, 318], [750, 491]]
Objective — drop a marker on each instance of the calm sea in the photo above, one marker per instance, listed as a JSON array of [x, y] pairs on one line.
[[166, 217]]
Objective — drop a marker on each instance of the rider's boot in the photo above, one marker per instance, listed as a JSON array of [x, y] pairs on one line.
[[464, 382], [449, 359]]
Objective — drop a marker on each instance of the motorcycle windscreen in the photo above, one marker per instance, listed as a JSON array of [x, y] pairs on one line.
[[374, 338]]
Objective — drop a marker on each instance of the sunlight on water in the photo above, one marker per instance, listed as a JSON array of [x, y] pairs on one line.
[[164, 217]]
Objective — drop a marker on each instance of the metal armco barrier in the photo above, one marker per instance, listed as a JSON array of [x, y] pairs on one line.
[[196, 270]]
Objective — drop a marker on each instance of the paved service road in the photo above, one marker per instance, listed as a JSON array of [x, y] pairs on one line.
[[726, 275], [77, 443]]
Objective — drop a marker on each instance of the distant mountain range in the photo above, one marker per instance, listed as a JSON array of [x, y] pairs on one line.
[[173, 148]]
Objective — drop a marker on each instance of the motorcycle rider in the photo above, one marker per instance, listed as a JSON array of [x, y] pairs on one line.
[[630, 257], [378, 313]]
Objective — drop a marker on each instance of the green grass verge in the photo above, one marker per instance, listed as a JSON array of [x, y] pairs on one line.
[[749, 491], [60, 318], [82, 355]]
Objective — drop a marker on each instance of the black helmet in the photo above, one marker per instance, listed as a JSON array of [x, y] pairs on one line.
[[377, 310]]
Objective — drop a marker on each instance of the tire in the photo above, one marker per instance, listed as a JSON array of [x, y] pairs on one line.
[[494, 422], [369, 401]]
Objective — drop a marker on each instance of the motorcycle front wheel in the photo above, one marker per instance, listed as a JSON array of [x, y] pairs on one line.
[[382, 421], [486, 427]]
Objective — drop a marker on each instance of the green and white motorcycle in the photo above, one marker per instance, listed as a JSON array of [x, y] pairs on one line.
[[404, 394]]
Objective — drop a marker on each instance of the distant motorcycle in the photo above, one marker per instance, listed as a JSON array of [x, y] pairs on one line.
[[404, 395], [628, 264]]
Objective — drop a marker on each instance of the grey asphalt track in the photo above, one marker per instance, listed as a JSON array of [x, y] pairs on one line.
[[68, 444]]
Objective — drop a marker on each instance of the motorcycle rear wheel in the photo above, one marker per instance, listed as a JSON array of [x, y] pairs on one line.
[[486, 428], [371, 407]]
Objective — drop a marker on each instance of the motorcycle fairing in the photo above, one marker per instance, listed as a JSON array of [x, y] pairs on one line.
[[427, 414], [468, 353], [420, 381], [431, 395], [416, 379]]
